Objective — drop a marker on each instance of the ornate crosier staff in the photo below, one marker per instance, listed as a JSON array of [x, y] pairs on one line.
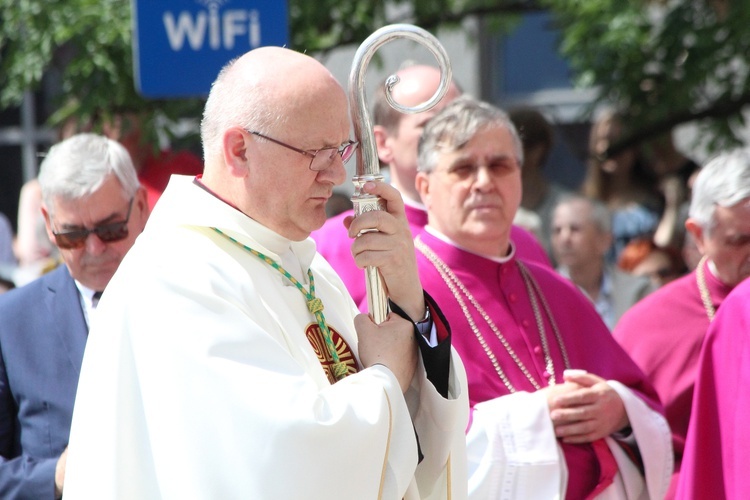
[[368, 166]]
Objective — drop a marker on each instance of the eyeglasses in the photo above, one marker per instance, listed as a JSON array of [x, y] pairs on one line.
[[320, 159], [108, 233]]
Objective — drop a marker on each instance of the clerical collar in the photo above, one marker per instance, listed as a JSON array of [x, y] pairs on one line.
[[198, 181], [712, 269], [500, 260], [414, 204]]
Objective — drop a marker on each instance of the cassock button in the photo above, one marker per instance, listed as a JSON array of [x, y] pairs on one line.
[[537, 350], [513, 297], [545, 374], [526, 323]]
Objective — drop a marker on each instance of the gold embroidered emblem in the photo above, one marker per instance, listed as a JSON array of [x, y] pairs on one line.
[[346, 356]]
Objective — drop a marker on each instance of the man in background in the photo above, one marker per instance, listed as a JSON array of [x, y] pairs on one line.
[[540, 195], [716, 460], [558, 409], [94, 208], [664, 332], [396, 137], [581, 238]]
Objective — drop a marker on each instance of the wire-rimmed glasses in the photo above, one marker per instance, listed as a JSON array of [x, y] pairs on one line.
[[320, 159]]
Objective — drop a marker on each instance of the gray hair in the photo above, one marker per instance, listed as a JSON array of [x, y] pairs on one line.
[[79, 165], [724, 181], [601, 215], [235, 100], [456, 124]]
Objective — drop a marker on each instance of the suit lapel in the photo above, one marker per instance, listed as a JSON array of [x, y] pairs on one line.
[[63, 302]]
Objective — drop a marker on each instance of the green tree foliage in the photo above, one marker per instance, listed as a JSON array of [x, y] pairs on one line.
[[323, 25], [663, 62], [84, 47]]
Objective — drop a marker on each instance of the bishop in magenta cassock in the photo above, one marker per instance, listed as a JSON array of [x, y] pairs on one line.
[[716, 460], [558, 410], [396, 136], [664, 332]]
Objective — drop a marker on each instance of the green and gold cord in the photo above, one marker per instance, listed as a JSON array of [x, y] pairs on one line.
[[314, 304]]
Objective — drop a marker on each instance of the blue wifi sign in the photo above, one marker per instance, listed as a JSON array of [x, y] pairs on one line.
[[179, 46]]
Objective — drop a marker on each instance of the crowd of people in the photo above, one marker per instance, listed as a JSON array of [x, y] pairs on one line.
[[541, 341]]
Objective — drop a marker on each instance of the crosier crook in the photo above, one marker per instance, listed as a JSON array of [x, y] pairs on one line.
[[368, 166]]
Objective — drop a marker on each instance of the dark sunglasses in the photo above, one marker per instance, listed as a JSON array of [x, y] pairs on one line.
[[108, 233]]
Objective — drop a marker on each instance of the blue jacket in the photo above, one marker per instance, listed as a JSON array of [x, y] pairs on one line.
[[42, 337]]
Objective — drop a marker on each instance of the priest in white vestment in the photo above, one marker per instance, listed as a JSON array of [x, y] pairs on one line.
[[228, 361]]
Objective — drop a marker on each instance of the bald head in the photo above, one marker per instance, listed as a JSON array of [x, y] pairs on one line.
[[417, 84], [397, 134], [265, 113], [265, 90]]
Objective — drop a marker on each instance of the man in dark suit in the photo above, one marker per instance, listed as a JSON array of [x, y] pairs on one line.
[[94, 208]]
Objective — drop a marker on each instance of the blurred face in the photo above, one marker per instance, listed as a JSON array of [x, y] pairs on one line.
[[472, 194], [405, 141], [604, 134], [95, 261], [728, 243], [287, 196], [576, 241], [399, 148]]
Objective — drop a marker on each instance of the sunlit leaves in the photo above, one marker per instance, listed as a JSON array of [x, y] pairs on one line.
[[663, 62]]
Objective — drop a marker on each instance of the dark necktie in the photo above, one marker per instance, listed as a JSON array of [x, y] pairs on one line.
[[95, 299]]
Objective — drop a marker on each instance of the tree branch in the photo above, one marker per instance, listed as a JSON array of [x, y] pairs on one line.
[[432, 22], [510, 7], [718, 109]]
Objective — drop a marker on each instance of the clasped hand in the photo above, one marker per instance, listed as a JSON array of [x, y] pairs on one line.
[[585, 408]]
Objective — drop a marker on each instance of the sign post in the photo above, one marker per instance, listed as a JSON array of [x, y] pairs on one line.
[[179, 46]]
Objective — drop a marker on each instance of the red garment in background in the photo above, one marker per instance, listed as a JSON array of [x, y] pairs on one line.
[[156, 170]]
